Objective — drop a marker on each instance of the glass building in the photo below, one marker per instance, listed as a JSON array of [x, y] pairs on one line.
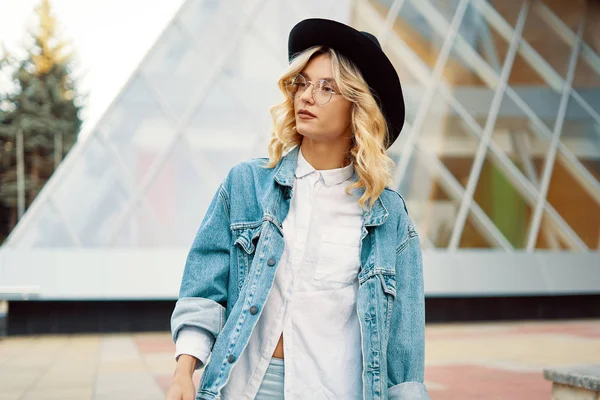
[[499, 159]]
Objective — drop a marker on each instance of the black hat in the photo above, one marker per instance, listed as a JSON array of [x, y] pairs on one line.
[[364, 50]]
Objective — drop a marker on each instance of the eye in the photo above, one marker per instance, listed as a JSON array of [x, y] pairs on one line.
[[326, 87]]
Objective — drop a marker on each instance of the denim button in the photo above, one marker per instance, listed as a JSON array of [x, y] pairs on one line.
[[253, 310], [231, 358], [271, 262]]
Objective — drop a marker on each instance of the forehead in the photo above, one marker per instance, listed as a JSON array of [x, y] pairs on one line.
[[319, 67]]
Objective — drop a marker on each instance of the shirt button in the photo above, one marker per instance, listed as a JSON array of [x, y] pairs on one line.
[[231, 358], [271, 262], [253, 310]]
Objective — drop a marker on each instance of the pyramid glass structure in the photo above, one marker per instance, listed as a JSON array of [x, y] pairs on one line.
[[500, 151]]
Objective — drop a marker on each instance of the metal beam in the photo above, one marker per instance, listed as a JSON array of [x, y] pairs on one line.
[[587, 53], [483, 222], [390, 18], [550, 158], [488, 130], [487, 44], [520, 148], [438, 69]]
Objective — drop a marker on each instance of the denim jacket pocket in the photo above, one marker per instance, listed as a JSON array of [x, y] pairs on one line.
[[388, 283], [245, 243]]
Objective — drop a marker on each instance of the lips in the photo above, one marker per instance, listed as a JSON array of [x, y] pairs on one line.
[[306, 113]]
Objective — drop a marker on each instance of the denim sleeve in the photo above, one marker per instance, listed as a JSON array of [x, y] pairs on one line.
[[203, 292], [406, 347]]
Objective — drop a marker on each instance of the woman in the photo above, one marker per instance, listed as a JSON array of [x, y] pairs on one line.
[[306, 266]]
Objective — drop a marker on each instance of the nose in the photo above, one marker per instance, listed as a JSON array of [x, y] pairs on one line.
[[307, 95]]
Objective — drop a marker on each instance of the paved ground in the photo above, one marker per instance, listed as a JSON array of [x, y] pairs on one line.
[[464, 361]]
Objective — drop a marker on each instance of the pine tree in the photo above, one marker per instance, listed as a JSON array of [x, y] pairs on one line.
[[39, 119]]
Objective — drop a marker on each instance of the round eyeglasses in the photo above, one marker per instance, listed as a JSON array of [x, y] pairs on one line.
[[322, 91]]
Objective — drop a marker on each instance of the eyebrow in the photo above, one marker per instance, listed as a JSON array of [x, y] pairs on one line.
[[331, 80]]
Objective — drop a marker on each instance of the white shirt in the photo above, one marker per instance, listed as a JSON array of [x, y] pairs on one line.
[[312, 301]]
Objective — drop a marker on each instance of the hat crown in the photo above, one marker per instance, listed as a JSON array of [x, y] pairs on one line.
[[372, 38]]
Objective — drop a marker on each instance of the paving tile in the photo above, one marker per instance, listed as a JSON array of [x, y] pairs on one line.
[[10, 394], [58, 394], [475, 382], [160, 363], [525, 349], [164, 381], [15, 380], [127, 386], [118, 348], [154, 343]]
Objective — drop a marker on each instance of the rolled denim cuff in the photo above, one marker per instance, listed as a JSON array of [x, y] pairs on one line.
[[408, 391], [197, 312]]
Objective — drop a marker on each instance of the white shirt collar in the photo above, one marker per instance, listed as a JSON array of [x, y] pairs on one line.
[[331, 177]]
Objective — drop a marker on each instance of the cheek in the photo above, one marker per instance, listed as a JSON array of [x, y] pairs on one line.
[[340, 116]]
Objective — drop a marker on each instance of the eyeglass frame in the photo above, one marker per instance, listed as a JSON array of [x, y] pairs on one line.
[[313, 88]]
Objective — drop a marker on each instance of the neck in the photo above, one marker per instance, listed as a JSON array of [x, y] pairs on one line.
[[324, 156]]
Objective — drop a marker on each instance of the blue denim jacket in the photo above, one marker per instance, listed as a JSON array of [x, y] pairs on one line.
[[234, 256]]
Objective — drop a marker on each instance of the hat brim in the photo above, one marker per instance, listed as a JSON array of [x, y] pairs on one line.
[[365, 53]]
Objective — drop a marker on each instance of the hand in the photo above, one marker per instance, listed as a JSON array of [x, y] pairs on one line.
[[182, 388]]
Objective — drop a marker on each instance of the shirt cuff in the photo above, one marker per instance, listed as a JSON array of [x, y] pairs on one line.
[[196, 342]]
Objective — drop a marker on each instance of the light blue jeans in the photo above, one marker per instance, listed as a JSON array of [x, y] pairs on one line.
[[271, 387]]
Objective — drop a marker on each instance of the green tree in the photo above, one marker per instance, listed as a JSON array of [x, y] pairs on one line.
[[39, 117]]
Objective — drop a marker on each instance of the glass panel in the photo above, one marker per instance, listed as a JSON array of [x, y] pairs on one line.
[[586, 82], [461, 69], [251, 77], [508, 10], [212, 23], [137, 128], [544, 40], [141, 230], [179, 197], [574, 204], [48, 231], [574, 196], [569, 13], [525, 147], [177, 70], [446, 135], [549, 236], [273, 24], [413, 28], [221, 120], [92, 195], [473, 236], [505, 206], [591, 31], [581, 136], [428, 199]]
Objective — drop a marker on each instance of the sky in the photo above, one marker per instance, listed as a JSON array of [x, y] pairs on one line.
[[109, 39]]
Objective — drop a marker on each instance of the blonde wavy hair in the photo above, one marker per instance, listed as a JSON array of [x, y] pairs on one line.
[[369, 127]]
